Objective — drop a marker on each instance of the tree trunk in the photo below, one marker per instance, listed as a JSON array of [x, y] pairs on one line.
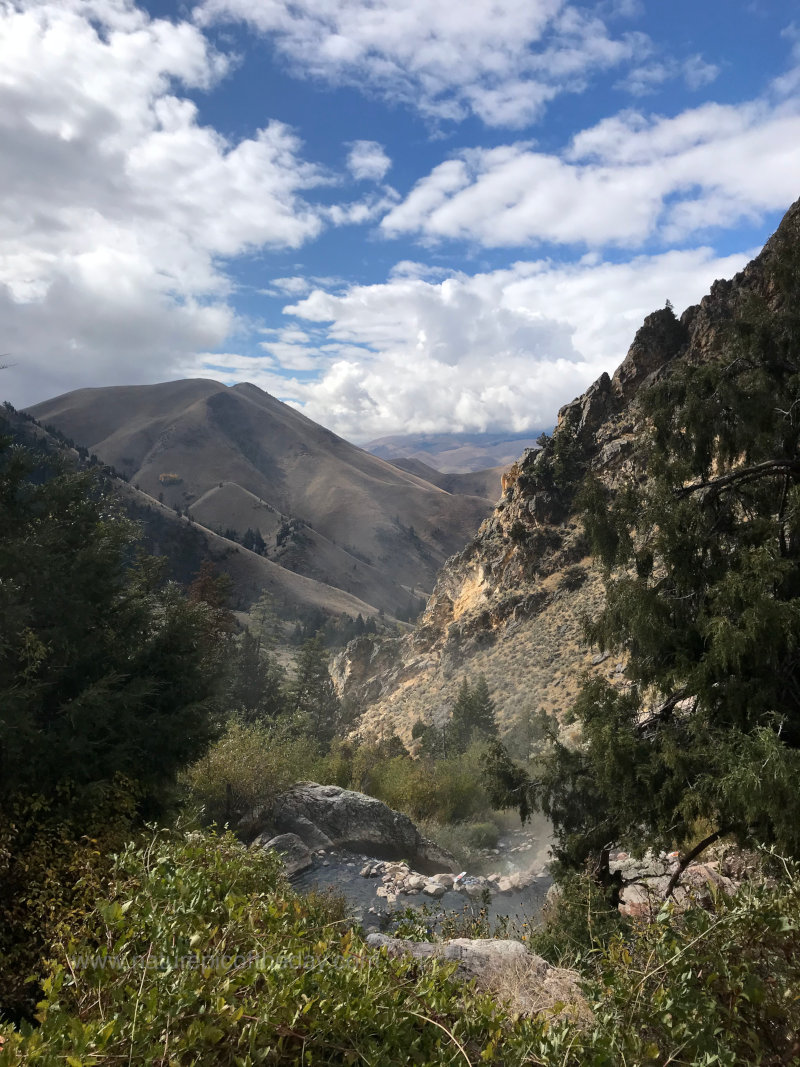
[[693, 854]]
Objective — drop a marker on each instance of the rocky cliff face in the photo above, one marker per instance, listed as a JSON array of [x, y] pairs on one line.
[[510, 604]]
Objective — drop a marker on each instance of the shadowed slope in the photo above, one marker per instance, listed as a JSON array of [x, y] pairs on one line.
[[237, 458]]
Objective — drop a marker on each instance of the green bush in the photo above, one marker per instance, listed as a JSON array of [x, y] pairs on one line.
[[577, 923], [446, 790], [707, 987], [250, 764], [482, 834], [464, 840], [54, 858], [202, 954]]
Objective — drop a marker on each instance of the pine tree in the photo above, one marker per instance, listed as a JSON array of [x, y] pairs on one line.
[[103, 669], [703, 599], [473, 715], [256, 681], [311, 694]]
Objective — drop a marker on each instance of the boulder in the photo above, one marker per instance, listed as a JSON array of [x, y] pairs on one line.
[[329, 817], [296, 857], [445, 880], [505, 967]]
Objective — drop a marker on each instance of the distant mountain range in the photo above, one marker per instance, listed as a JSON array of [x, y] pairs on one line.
[[238, 462], [455, 453]]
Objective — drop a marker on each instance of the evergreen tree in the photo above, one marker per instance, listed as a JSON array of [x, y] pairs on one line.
[[311, 695], [265, 623], [473, 715], [703, 597], [103, 670], [256, 681]]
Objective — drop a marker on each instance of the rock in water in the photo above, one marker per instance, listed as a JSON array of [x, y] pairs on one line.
[[296, 857]]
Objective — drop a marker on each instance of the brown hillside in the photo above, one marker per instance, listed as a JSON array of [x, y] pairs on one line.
[[185, 544], [377, 530]]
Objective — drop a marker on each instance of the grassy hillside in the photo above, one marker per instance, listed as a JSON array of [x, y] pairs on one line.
[[238, 458]]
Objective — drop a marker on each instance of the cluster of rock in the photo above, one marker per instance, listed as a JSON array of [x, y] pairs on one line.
[[505, 967], [645, 882], [397, 878], [400, 880]]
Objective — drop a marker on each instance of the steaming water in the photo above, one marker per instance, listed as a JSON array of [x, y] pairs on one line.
[[519, 906]]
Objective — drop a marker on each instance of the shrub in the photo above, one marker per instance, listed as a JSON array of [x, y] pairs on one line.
[[482, 834], [250, 764], [573, 577], [578, 921], [718, 986], [203, 954], [52, 870]]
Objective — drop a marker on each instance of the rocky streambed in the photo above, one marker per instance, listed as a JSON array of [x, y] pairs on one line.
[[332, 838], [380, 890]]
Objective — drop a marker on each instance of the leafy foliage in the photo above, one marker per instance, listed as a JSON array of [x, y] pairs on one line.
[[203, 954], [199, 953], [249, 765], [312, 697], [54, 861]]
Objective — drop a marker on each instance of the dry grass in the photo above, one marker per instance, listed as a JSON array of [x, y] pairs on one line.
[[534, 987]]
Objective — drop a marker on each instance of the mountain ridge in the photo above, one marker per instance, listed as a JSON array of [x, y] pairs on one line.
[[510, 604], [237, 459]]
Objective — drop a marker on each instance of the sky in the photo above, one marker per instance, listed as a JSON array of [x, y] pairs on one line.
[[398, 216]]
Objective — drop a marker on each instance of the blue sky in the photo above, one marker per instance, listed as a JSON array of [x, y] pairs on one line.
[[399, 217]]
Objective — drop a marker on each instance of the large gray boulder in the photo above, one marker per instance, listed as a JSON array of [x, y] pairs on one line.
[[325, 816], [296, 857], [504, 967]]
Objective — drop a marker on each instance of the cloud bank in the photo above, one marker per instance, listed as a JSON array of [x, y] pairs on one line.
[[118, 204], [494, 351]]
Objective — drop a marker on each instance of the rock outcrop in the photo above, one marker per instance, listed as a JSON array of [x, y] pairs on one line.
[[505, 967], [326, 817], [645, 882], [510, 605]]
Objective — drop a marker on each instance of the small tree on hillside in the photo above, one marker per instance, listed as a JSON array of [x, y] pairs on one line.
[[311, 693], [473, 715]]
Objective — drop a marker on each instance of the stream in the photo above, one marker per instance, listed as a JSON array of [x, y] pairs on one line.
[[519, 855]]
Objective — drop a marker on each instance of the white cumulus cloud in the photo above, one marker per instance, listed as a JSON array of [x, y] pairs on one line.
[[119, 206], [501, 60], [368, 161], [630, 178], [497, 350]]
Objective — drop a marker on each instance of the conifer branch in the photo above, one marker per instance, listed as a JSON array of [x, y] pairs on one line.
[[745, 474]]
